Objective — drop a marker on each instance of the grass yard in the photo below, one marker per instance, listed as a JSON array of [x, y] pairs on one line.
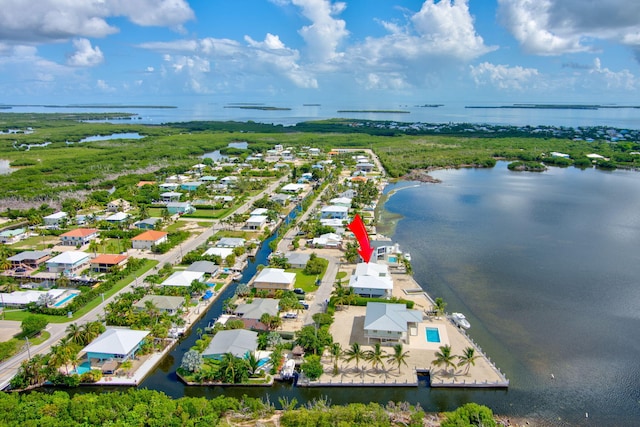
[[303, 281], [175, 226], [37, 242]]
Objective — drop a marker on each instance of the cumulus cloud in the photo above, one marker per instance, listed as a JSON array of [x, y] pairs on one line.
[[623, 79], [325, 32], [54, 20], [504, 76], [85, 55], [546, 27], [103, 86], [438, 36]]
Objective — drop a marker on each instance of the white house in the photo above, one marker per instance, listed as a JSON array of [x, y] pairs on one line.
[[55, 219], [256, 222], [183, 278], [118, 205], [293, 188], [148, 239], [12, 236], [221, 252], [67, 262], [390, 322], [79, 236], [371, 280], [274, 279], [334, 212], [259, 211]]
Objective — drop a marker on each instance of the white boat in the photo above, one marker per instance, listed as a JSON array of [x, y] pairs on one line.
[[460, 320]]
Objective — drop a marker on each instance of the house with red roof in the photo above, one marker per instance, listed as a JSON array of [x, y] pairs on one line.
[[105, 263], [79, 236], [149, 239]]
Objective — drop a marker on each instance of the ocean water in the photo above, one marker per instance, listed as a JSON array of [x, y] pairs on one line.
[[199, 109], [546, 267]]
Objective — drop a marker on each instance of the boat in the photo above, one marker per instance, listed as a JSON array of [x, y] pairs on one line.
[[460, 320]]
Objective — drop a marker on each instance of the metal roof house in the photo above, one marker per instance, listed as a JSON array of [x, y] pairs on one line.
[[258, 307], [371, 280], [115, 344], [67, 262], [238, 342], [167, 304], [390, 322], [273, 279]]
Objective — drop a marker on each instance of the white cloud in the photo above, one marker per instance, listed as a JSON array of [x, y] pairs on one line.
[[325, 33], [55, 20], [623, 80], [85, 55], [103, 86], [504, 76], [546, 27]]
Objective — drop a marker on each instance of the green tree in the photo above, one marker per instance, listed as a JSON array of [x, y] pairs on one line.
[[191, 361], [468, 358], [313, 339], [376, 356], [440, 306], [444, 357], [336, 351], [355, 352], [399, 356], [312, 367], [33, 324], [469, 414]]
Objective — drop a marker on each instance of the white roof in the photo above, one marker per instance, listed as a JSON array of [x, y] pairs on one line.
[[120, 216], [57, 215], [116, 341], [372, 269], [389, 317], [221, 252], [341, 201], [275, 275], [370, 282], [24, 298], [259, 211], [293, 187], [69, 257], [183, 278], [257, 219], [333, 208], [332, 222]]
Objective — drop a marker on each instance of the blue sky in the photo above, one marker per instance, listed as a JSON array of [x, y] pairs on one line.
[[284, 51]]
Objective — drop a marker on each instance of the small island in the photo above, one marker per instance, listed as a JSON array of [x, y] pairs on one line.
[[375, 111], [527, 167], [258, 107]]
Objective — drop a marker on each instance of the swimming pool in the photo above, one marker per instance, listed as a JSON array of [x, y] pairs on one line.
[[433, 335], [65, 299], [263, 362], [393, 259], [83, 368]]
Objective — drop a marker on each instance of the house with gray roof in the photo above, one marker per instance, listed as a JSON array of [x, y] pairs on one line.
[[273, 279], [32, 259], [238, 342], [371, 280], [166, 304], [257, 308], [206, 267], [115, 344], [390, 322], [230, 242], [297, 259]]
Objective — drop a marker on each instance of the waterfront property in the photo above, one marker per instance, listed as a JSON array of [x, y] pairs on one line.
[[371, 280], [230, 242], [148, 239], [390, 322], [238, 342], [273, 279], [167, 304], [114, 345], [256, 222], [256, 308], [183, 278], [29, 259], [206, 267]]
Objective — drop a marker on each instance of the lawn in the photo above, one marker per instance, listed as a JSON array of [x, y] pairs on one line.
[[175, 226], [21, 314], [37, 242], [303, 281]]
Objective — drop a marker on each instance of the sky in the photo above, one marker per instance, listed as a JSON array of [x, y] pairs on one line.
[[284, 51]]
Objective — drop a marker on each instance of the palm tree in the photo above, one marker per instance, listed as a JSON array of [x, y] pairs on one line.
[[252, 362], [444, 357], [93, 247], [91, 331], [467, 358], [399, 357], [440, 306], [336, 351], [376, 356], [227, 367], [75, 334], [354, 353]]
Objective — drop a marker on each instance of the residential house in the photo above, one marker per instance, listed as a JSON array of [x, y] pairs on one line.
[[118, 205], [165, 304], [297, 259], [257, 222], [183, 278], [67, 262], [293, 188], [258, 211], [55, 219], [314, 152], [180, 208], [148, 239], [229, 180], [365, 167], [148, 223], [168, 186], [390, 322], [238, 342], [341, 201], [281, 199], [207, 179], [206, 267], [257, 307], [221, 252], [327, 240], [12, 236], [117, 218], [105, 263], [273, 279], [334, 212], [230, 242], [20, 299], [79, 236], [191, 185], [371, 280], [224, 199], [115, 344], [170, 196], [30, 259], [386, 250]]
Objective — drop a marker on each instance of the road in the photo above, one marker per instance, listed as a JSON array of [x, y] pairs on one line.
[[10, 367]]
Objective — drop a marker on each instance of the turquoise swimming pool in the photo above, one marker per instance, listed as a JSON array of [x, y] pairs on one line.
[[83, 368], [433, 335], [65, 299], [393, 259]]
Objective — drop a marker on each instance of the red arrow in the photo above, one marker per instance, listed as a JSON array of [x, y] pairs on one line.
[[357, 227]]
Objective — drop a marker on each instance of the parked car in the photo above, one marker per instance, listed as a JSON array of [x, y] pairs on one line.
[[305, 305], [290, 316], [299, 291]]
